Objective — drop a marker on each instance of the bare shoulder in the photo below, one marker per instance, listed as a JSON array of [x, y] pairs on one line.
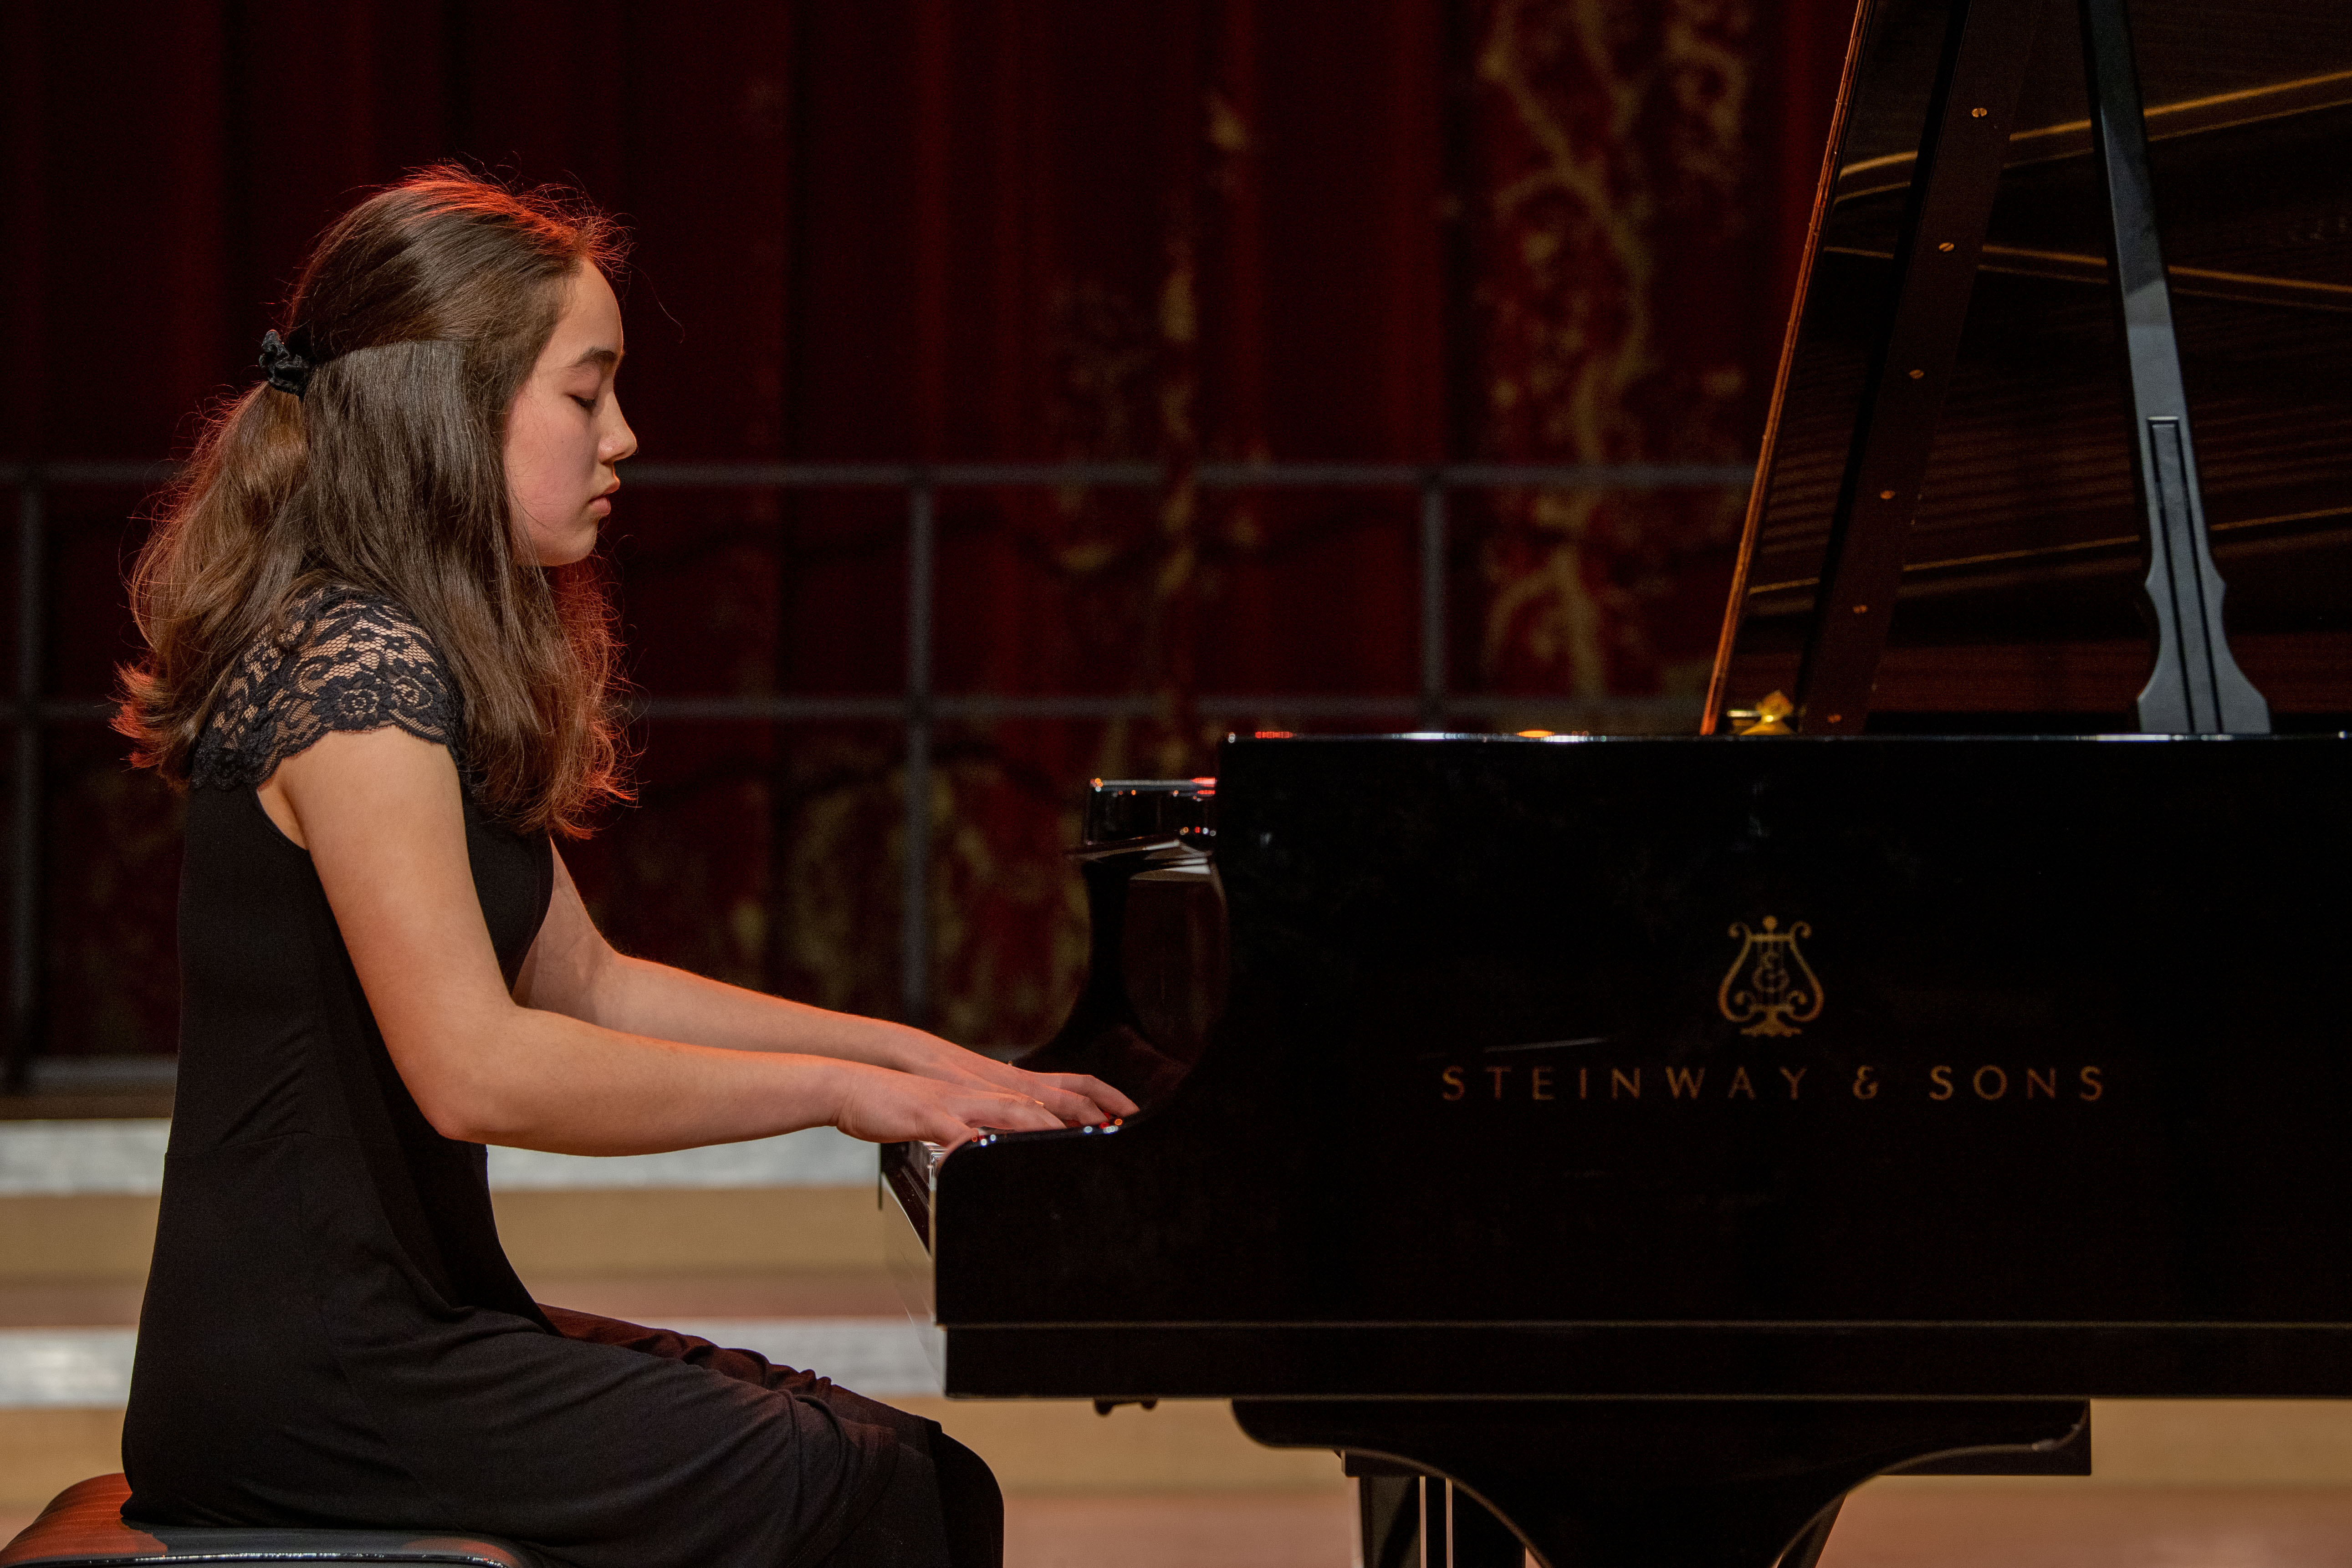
[[387, 786]]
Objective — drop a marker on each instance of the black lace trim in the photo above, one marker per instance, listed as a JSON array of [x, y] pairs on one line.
[[343, 660]]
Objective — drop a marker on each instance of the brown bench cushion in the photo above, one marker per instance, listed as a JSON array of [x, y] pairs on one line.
[[83, 1528]]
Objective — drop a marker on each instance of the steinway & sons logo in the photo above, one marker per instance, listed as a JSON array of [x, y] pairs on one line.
[[1770, 991], [1769, 987]]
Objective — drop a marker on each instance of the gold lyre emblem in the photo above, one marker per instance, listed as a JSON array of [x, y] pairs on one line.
[[1769, 987]]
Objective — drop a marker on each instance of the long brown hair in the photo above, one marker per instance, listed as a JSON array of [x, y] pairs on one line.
[[426, 307]]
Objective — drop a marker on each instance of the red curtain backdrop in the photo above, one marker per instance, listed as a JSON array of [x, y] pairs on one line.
[[911, 230]]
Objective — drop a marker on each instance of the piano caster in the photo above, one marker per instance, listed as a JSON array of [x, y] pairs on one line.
[[1627, 1483]]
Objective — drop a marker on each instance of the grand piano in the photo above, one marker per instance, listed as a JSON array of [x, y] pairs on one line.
[[1620, 1149]]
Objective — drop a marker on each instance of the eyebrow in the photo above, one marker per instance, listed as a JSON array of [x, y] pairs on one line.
[[607, 357]]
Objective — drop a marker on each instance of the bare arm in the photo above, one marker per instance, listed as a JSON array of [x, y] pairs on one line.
[[572, 970], [382, 816]]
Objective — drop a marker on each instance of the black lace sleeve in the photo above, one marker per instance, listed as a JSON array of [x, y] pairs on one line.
[[343, 660]]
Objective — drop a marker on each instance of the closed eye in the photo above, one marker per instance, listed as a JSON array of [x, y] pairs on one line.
[[587, 403]]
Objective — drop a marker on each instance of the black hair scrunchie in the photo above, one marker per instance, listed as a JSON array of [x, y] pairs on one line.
[[287, 362]]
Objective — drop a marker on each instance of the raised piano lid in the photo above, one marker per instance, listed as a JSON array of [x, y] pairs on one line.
[[2019, 597]]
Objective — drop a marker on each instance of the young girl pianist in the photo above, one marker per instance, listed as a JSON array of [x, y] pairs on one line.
[[386, 691]]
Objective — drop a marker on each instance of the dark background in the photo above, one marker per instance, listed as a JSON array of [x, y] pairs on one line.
[[1170, 231]]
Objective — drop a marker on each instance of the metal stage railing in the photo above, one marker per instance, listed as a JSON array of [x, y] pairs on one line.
[[918, 708]]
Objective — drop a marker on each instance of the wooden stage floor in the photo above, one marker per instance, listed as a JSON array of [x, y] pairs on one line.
[[1978, 1526]]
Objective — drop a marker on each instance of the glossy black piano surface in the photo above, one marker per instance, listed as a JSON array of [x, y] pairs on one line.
[[1504, 1100], [2021, 570]]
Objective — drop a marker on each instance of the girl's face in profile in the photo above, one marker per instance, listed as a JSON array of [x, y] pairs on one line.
[[565, 432]]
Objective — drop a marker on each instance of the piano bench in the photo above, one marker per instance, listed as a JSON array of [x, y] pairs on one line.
[[84, 1527]]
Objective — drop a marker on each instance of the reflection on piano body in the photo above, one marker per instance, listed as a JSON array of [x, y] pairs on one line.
[[1656, 1138]]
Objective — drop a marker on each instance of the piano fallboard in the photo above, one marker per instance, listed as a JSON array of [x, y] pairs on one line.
[[1878, 1066]]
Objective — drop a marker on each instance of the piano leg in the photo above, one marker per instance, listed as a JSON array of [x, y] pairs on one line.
[[1607, 1483], [1388, 1511], [1411, 1520]]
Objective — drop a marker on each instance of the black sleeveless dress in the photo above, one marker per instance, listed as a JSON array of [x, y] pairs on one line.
[[331, 1332]]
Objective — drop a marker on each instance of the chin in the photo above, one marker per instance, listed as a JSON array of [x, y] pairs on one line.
[[570, 551]]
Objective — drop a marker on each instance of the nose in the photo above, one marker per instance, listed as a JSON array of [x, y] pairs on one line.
[[620, 443]]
